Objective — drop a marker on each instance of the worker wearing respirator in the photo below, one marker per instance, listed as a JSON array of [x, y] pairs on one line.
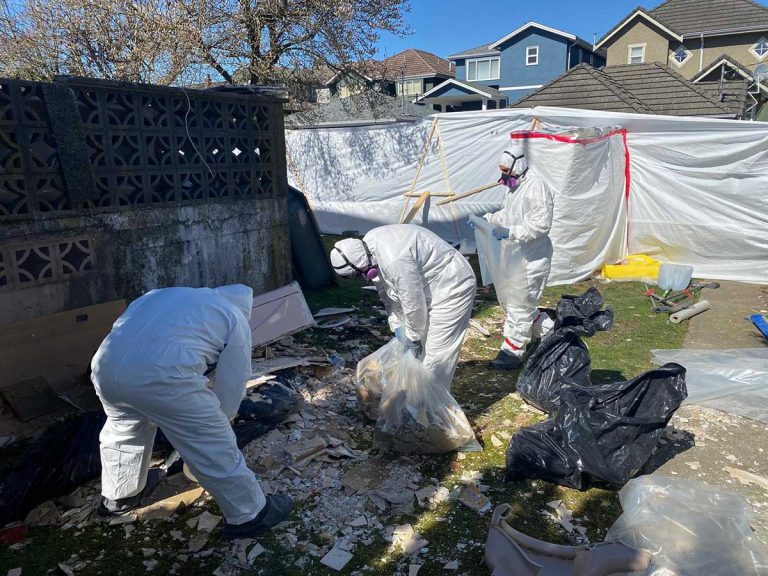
[[525, 218], [426, 285]]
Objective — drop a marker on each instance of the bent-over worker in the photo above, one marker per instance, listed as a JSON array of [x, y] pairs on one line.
[[149, 372], [427, 286]]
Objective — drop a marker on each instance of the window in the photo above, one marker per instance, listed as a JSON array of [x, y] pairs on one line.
[[681, 55], [636, 54], [532, 56], [485, 69], [410, 87], [760, 49]]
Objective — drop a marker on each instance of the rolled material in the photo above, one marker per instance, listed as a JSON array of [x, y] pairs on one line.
[[694, 310]]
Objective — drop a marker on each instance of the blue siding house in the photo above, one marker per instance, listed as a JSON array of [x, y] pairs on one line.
[[497, 74]]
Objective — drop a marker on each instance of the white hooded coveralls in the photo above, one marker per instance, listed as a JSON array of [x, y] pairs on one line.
[[527, 212], [148, 372], [428, 289]]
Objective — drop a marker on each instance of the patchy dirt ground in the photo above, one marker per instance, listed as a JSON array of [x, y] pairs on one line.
[[377, 513]]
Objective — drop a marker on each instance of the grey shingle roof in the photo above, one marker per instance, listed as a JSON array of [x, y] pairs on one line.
[[732, 93], [482, 49], [369, 107], [640, 88], [696, 16], [691, 16]]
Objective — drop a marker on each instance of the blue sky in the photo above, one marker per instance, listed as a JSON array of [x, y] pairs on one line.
[[449, 26]]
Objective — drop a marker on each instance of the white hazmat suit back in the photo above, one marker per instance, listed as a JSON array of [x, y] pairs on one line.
[[428, 288], [149, 372], [527, 212]]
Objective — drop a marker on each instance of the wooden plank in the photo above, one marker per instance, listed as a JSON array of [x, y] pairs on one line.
[[57, 347], [416, 207], [31, 398], [468, 193]]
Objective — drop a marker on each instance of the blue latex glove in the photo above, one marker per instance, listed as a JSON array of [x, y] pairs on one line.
[[500, 233], [471, 224], [413, 346], [400, 334]]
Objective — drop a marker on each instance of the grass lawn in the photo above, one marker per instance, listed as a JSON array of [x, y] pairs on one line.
[[487, 398]]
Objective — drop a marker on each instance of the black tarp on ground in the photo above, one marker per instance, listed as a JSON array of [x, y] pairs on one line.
[[67, 454]]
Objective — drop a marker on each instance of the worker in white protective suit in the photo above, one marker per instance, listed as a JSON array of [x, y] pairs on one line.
[[525, 219], [149, 373], [426, 285]]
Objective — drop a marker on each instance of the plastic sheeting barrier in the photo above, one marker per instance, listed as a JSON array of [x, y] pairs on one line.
[[734, 381], [691, 528], [697, 192]]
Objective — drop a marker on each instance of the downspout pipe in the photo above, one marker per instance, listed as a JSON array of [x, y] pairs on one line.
[[701, 54]]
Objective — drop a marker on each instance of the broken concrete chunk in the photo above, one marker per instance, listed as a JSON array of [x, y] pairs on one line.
[[206, 522], [124, 519], [255, 552], [198, 542], [47, 514], [425, 493], [401, 501], [177, 535], [14, 572], [472, 498], [305, 449], [413, 569], [452, 565], [336, 558], [227, 568], [358, 522]]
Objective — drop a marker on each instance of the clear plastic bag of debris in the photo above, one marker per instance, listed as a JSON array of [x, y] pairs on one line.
[[691, 528], [417, 415], [371, 372]]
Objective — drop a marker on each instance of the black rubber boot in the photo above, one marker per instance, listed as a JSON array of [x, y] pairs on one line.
[[275, 511], [506, 361], [118, 507]]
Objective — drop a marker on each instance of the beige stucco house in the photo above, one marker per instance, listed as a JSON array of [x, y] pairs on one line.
[[702, 40]]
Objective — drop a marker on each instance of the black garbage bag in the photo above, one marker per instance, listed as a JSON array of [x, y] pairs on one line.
[[562, 357], [61, 459], [67, 454], [584, 314], [599, 433]]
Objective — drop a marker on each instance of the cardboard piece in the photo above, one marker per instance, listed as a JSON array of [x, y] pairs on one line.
[[57, 347], [278, 314]]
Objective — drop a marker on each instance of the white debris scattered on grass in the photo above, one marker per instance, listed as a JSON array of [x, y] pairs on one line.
[[336, 559], [206, 522], [452, 565]]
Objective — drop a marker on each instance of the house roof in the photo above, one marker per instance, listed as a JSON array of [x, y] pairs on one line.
[[729, 61], [413, 62], [492, 47], [696, 16], [680, 18], [640, 88], [731, 93], [367, 108], [480, 89]]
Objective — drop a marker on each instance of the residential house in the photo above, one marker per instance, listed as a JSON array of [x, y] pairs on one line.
[[703, 40], [639, 88], [495, 74], [375, 91]]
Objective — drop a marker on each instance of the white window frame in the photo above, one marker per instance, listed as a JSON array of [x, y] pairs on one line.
[[528, 55], [677, 63], [410, 82], [762, 40], [629, 53], [490, 60]]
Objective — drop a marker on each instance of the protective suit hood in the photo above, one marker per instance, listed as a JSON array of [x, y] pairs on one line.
[[239, 295], [354, 250], [514, 157]]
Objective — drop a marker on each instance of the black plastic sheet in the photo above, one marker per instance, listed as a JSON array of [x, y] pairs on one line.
[[599, 433], [562, 358], [67, 454]]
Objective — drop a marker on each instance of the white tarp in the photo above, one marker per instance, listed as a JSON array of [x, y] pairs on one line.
[[698, 190]]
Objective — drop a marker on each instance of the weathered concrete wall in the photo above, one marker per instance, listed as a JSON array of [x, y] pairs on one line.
[[135, 251], [110, 189]]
